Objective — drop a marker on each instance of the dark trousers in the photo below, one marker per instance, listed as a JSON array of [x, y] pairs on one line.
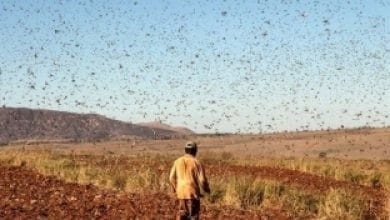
[[189, 209]]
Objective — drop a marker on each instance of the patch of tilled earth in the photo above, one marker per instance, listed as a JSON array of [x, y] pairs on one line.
[[301, 180], [305, 181], [28, 195]]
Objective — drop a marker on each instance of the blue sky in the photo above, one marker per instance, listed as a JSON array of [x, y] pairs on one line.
[[226, 66]]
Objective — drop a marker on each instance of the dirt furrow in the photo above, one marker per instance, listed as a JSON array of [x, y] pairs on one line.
[[26, 194], [304, 181]]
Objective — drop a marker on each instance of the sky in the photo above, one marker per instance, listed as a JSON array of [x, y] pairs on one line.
[[212, 66]]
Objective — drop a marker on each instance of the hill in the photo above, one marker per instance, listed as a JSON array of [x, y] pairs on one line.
[[27, 124], [159, 125]]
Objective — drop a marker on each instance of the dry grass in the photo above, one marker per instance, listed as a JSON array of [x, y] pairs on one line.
[[246, 193], [366, 172], [147, 172]]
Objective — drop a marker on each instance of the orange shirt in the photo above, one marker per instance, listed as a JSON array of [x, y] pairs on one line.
[[187, 176]]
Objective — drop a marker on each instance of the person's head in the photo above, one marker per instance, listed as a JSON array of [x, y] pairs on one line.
[[191, 148]]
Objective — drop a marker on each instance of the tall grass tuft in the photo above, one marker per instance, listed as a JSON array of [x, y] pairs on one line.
[[340, 204]]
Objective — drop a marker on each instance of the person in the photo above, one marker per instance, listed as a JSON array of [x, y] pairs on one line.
[[187, 176]]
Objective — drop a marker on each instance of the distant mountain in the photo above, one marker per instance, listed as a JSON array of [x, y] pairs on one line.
[[27, 124], [159, 125]]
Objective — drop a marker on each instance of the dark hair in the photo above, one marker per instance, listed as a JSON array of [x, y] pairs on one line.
[[191, 151]]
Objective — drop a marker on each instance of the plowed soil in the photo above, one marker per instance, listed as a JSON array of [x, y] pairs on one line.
[[296, 178], [26, 194], [301, 180], [307, 182]]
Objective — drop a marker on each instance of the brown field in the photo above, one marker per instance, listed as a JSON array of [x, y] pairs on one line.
[[308, 175], [28, 195], [368, 144]]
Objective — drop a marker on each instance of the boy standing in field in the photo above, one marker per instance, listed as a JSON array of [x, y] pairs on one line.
[[187, 176]]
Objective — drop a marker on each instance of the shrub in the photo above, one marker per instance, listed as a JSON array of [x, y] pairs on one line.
[[339, 204], [226, 156], [354, 176], [376, 180], [119, 180], [250, 193], [217, 193], [322, 155]]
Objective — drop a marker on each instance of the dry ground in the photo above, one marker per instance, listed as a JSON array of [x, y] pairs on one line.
[[29, 195], [371, 144], [285, 168]]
